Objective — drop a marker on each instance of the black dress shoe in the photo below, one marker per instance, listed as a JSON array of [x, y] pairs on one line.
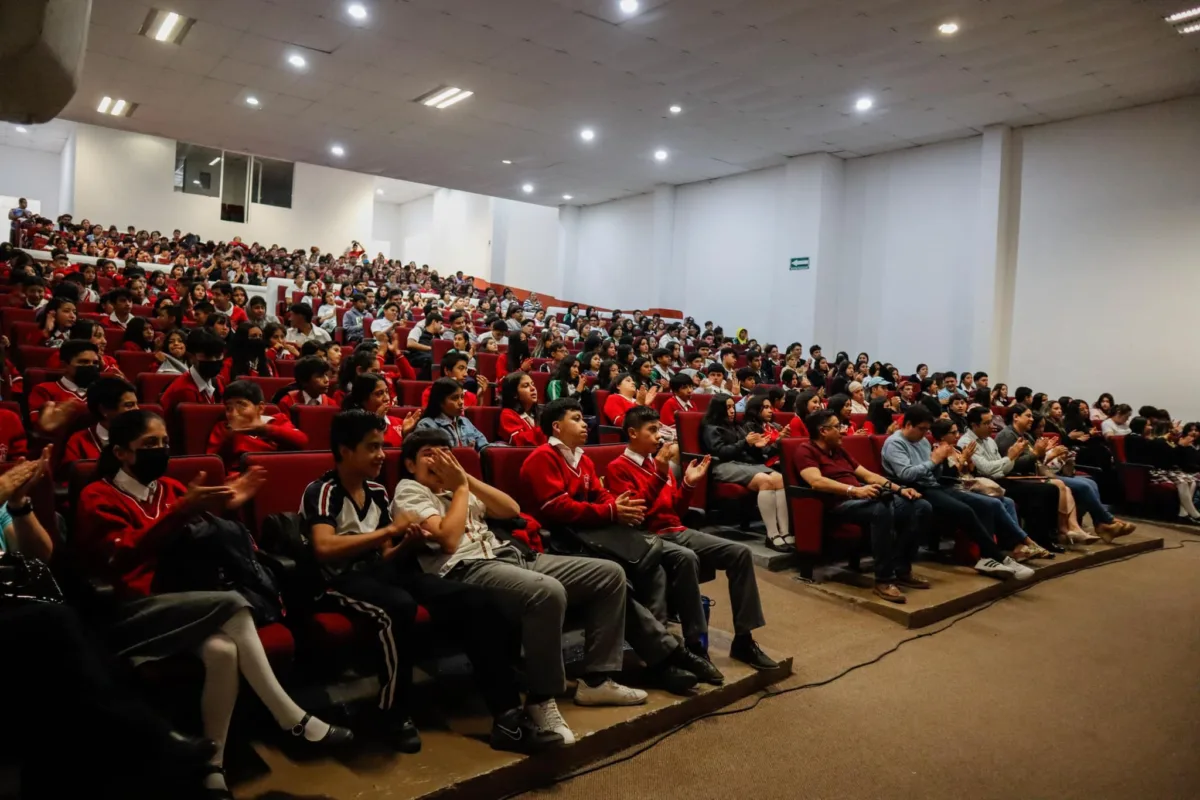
[[698, 665], [671, 678], [746, 650], [404, 736], [188, 751], [1054, 547], [336, 736], [515, 732]]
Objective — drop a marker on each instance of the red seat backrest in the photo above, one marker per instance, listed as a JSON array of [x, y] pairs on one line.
[[288, 475], [661, 399], [409, 392], [39, 375], [602, 455], [132, 363], [858, 420], [488, 364], [31, 356], [1118, 448], [151, 385], [486, 419], [286, 367], [440, 348], [783, 418], [862, 450], [315, 421], [196, 421], [787, 456], [700, 401], [502, 468], [540, 380], [271, 386], [687, 426]]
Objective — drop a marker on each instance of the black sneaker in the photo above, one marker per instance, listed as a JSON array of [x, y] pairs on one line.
[[698, 665], [404, 736], [516, 732], [671, 678], [746, 650]]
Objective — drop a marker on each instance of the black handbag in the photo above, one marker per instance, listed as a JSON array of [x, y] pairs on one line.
[[631, 548], [26, 580]]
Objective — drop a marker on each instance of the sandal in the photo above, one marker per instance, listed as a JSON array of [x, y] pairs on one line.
[[782, 544]]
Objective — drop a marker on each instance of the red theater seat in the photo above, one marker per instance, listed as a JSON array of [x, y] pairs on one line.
[[806, 513], [541, 380], [272, 386], [502, 469], [196, 421], [29, 356], [409, 392], [151, 386], [315, 421], [132, 363], [486, 419]]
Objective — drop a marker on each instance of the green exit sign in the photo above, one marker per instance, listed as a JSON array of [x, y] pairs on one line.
[[799, 263]]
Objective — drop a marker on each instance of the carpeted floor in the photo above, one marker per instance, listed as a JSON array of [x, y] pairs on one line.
[[1087, 686]]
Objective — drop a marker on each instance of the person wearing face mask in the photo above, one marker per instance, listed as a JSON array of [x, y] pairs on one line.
[[125, 517], [202, 382], [247, 355], [52, 404]]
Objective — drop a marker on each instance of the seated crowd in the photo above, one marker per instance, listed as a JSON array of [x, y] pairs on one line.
[[439, 370]]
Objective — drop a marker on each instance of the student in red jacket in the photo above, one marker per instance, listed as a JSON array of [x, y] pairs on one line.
[[519, 412], [567, 495], [644, 471], [66, 396], [122, 314], [89, 332], [247, 355], [682, 387], [125, 517], [246, 430], [312, 376], [106, 398], [138, 336], [202, 382], [807, 404], [454, 365], [370, 393], [626, 395], [14, 444], [222, 300], [54, 323]]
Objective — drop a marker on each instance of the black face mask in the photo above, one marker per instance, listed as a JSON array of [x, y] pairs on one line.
[[209, 369], [151, 464], [85, 376]]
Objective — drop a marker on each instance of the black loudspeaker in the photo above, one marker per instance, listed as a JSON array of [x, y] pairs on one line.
[[41, 56]]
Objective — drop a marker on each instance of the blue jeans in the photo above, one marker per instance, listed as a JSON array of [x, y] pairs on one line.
[[1087, 498], [999, 516]]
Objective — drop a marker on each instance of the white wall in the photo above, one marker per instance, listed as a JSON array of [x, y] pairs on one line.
[[66, 177], [530, 253], [909, 227], [616, 241], [1108, 261], [127, 179], [33, 174], [462, 233], [408, 227]]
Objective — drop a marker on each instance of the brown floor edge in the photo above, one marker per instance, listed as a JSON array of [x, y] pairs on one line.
[[532, 773]]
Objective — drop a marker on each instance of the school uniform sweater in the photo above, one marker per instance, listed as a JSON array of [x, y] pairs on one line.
[[60, 391], [230, 445], [564, 493], [108, 364], [184, 390], [672, 407], [117, 533], [666, 499], [616, 407], [297, 397], [13, 442], [84, 445], [519, 431]]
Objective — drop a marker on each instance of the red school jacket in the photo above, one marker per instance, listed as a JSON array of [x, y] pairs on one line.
[[45, 392], [518, 431], [183, 390], [666, 499], [564, 495], [229, 445]]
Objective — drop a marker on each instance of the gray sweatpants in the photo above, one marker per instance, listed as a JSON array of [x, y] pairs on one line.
[[536, 592], [684, 553]]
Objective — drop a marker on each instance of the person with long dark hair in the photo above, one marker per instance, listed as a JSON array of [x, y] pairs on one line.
[[444, 412], [247, 355], [128, 513], [806, 404], [740, 457], [369, 392], [138, 336], [519, 411]]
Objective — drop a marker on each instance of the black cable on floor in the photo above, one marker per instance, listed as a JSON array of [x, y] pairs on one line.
[[767, 693]]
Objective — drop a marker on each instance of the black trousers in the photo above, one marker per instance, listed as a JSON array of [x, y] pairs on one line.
[[1037, 502], [894, 524], [468, 615], [64, 697]]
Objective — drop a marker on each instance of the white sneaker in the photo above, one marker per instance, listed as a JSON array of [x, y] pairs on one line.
[[547, 717], [1022, 572], [609, 693], [994, 569]]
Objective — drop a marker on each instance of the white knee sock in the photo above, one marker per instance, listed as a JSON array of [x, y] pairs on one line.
[[781, 511], [1186, 489], [252, 661], [219, 654], [766, 506]]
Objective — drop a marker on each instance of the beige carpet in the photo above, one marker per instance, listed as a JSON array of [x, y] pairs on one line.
[[1087, 686]]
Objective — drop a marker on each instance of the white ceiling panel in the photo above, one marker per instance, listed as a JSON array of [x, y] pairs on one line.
[[759, 80]]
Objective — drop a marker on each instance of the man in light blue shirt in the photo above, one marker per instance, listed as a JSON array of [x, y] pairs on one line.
[[352, 320], [950, 389]]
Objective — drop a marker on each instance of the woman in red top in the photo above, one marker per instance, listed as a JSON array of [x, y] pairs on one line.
[[625, 394], [93, 332], [369, 392], [519, 412], [138, 336], [125, 517], [806, 403], [840, 405], [248, 355]]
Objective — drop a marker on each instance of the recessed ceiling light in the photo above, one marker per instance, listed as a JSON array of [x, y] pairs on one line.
[[104, 104], [676, 109], [379, 191], [196, 182], [1182, 15], [1189, 28], [21, 129], [165, 26], [297, 61], [458, 98], [948, 28], [215, 161], [661, 155], [864, 103], [118, 108], [630, 6], [337, 150], [587, 134], [568, 197], [527, 188], [506, 161], [357, 10], [251, 100], [444, 97]]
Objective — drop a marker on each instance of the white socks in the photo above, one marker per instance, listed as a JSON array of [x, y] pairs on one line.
[[1186, 489], [781, 511], [768, 505]]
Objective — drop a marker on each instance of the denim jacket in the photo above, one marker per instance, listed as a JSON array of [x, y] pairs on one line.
[[460, 430]]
